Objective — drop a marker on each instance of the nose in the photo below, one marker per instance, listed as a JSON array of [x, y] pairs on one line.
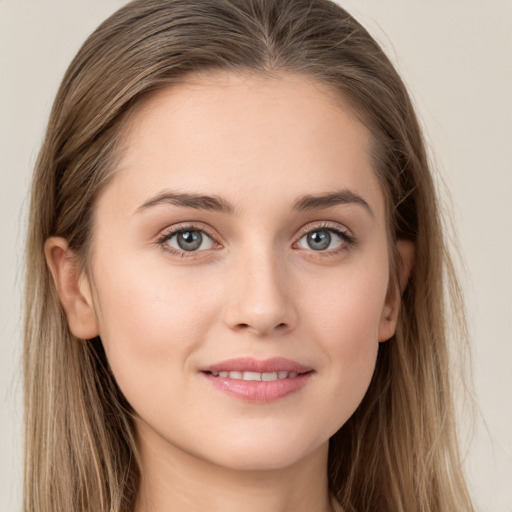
[[260, 297]]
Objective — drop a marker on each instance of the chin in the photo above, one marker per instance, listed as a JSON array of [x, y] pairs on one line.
[[266, 451]]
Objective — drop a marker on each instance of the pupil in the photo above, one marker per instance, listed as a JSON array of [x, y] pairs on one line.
[[189, 240], [319, 240]]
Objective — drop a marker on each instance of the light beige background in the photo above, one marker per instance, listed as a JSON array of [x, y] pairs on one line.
[[456, 57]]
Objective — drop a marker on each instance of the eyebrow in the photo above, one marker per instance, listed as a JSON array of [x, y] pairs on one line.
[[323, 201], [218, 204], [197, 201]]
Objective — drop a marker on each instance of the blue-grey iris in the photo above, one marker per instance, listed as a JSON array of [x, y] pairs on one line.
[[189, 240], [319, 240]]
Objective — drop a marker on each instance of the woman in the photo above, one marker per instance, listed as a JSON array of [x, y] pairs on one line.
[[235, 290]]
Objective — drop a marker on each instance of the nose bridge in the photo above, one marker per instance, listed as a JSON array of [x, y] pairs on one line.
[[260, 300]]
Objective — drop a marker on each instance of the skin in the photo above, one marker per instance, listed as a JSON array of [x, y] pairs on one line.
[[256, 288]]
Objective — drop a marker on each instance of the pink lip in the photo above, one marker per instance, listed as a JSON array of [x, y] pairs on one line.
[[249, 364], [258, 391]]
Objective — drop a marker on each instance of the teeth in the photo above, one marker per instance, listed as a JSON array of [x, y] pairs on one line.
[[252, 376], [256, 376]]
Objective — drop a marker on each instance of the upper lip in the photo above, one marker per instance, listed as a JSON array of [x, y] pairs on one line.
[[248, 364]]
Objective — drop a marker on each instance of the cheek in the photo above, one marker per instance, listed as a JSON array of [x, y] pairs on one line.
[[150, 322], [346, 318], [348, 303]]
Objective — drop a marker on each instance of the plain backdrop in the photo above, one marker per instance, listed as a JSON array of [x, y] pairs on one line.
[[455, 56]]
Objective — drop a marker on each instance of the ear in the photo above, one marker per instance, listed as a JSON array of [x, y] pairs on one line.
[[73, 289], [388, 321]]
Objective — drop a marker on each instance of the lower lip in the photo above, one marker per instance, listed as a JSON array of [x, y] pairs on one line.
[[259, 391]]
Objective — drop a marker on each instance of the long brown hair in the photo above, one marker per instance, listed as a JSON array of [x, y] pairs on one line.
[[398, 452]]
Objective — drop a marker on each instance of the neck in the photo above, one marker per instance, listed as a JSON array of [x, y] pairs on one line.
[[173, 479]]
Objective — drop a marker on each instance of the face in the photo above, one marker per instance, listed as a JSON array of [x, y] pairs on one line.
[[239, 269]]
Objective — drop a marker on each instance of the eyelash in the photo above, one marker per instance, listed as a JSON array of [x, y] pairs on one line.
[[348, 239]]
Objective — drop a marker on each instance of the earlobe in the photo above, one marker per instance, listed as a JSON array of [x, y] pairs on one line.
[[389, 318], [73, 289]]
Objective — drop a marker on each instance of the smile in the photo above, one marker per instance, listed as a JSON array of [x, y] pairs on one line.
[[258, 381], [256, 376]]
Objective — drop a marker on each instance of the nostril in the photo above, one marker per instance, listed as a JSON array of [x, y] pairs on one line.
[[283, 326]]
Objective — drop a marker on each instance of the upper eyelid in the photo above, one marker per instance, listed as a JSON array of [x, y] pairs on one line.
[[327, 225], [191, 226]]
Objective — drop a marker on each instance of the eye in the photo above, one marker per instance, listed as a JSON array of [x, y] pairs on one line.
[[324, 239], [188, 240]]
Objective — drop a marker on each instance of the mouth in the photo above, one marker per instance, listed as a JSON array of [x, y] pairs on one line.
[[258, 381], [256, 376]]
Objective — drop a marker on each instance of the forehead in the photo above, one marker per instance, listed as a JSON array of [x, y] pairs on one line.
[[276, 137]]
